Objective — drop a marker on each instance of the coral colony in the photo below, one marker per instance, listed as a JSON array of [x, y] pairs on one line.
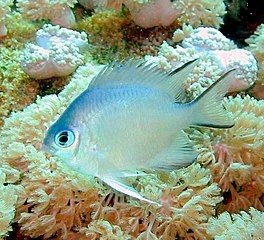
[[49, 53]]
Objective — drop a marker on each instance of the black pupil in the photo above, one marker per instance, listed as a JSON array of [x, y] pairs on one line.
[[63, 138]]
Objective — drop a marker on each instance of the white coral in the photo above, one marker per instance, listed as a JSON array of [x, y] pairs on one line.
[[8, 198], [245, 226], [201, 12], [217, 55], [58, 11], [207, 39], [58, 52]]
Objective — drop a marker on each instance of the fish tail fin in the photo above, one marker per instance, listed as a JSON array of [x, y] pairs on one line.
[[208, 110]]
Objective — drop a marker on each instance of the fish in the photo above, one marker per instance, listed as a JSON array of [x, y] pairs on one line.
[[132, 116]]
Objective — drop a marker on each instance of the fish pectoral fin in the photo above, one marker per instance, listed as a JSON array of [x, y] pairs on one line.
[[180, 153], [118, 185]]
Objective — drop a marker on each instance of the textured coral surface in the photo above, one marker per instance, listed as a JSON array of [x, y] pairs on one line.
[[219, 196]]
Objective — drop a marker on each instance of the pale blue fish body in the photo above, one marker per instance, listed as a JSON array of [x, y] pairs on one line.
[[129, 118]]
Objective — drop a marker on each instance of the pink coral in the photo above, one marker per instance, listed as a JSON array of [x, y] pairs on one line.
[[58, 53], [58, 11]]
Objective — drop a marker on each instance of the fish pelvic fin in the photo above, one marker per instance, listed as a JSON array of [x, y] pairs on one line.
[[140, 73], [117, 184], [207, 110], [180, 153]]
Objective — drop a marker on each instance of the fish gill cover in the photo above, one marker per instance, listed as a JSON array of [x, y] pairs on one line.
[[219, 196]]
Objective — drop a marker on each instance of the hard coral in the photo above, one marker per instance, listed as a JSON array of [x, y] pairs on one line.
[[235, 156], [58, 11], [58, 52], [61, 204]]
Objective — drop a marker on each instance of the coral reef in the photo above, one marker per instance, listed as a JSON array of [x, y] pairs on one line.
[[58, 52], [217, 55], [58, 12], [150, 13], [43, 198], [16, 88], [235, 155], [122, 39], [4, 9], [256, 46], [202, 12], [237, 226], [54, 193], [153, 13], [8, 199]]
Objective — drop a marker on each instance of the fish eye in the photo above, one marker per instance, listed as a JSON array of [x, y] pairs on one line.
[[64, 138]]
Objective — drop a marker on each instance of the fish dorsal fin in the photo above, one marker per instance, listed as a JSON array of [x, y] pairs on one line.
[[140, 73]]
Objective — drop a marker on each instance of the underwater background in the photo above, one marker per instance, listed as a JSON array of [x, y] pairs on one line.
[[49, 53]]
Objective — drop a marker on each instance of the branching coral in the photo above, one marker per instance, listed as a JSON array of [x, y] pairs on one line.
[[58, 11], [246, 226], [235, 156], [4, 10], [61, 204], [58, 52]]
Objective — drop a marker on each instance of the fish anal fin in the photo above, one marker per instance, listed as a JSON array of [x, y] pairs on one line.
[[118, 185], [180, 153]]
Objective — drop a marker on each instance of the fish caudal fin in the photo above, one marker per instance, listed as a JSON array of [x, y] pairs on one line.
[[208, 110]]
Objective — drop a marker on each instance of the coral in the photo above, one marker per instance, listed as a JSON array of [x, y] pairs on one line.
[[122, 39], [20, 30], [8, 198], [150, 13], [216, 54], [243, 63], [244, 226], [256, 46], [107, 39], [100, 229], [59, 203], [183, 33], [203, 75], [4, 10], [58, 11], [16, 89], [202, 12], [58, 52], [235, 155], [256, 43], [207, 39], [153, 13]]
